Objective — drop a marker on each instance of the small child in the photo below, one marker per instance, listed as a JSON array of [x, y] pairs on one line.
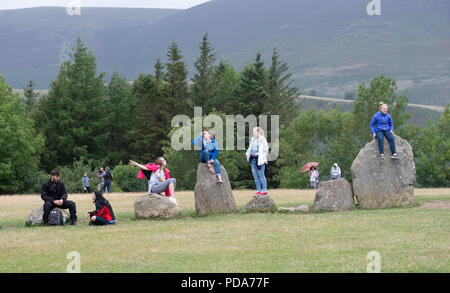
[[85, 180], [103, 215]]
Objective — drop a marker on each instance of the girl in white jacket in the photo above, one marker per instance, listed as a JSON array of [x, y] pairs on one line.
[[257, 156]]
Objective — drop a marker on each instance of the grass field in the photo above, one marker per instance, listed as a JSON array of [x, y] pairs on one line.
[[408, 239]]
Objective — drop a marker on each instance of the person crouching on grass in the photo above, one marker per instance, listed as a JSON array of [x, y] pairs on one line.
[[158, 178], [103, 214]]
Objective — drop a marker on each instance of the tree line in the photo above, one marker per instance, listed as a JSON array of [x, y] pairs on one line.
[[86, 121]]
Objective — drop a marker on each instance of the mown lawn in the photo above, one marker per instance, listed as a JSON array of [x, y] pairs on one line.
[[407, 239]]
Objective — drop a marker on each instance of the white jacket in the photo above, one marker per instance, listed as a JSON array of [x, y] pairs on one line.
[[263, 150]]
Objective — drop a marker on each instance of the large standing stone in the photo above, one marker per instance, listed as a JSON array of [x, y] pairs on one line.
[[155, 206], [212, 197], [35, 216], [334, 195], [384, 183], [261, 204]]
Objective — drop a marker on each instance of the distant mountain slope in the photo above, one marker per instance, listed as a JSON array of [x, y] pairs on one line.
[[331, 46]]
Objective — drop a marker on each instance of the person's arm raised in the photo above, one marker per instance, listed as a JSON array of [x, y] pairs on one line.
[[139, 165]]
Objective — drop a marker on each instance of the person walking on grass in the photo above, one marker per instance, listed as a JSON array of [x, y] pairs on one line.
[[257, 156], [54, 195], [101, 179], [158, 177], [86, 182], [209, 153], [108, 178], [103, 214], [335, 172], [313, 177], [383, 126]]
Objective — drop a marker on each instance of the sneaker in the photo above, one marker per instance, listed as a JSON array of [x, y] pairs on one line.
[[395, 156], [382, 156], [73, 223], [264, 193], [219, 180], [256, 194]]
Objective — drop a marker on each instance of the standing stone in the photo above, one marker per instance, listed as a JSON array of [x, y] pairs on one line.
[[155, 206], [334, 195], [384, 183], [261, 204], [36, 215], [212, 197]]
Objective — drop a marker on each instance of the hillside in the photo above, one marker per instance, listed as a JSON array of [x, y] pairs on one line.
[[331, 46]]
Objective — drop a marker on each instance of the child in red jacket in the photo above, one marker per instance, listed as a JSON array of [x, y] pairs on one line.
[[104, 214]]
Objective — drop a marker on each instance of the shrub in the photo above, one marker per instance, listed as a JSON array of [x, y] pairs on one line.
[[125, 177]]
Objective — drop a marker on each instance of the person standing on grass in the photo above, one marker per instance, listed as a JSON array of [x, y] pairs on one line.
[[383, 126], [108, 178], [54, 195], [335, 172], [313, 177], [85, 180], [209, 153], [101, 179], [103, 214], [257, 156], [158, 178]]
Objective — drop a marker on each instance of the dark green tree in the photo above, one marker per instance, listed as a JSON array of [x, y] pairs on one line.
[[19, 147], [121, 104], [159, 70], [252, 91], [281, 93], [203, 87], [176, 76], [226, 82], [30, 95], [73, 117], [152, 121]]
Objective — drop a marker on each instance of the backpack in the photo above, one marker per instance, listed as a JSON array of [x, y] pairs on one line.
[[55, 218]]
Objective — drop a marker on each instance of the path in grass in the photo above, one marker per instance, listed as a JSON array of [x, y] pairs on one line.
[[408, 239]]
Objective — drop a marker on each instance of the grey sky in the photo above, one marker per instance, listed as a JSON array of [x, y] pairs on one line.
[[15, 4]]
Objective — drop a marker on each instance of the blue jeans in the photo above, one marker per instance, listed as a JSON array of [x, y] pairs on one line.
[[107, 185], [260, 178], [206, 157], [380, 137]]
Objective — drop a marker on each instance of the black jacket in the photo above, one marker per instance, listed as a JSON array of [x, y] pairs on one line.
[[53, 191]]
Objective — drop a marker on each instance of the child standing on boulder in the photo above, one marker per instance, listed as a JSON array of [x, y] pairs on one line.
[[209, 153], [381, 126], [257, 156], [158, 178]]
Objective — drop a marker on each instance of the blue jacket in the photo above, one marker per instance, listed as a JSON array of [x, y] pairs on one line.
[[211, 147], [381, 122]]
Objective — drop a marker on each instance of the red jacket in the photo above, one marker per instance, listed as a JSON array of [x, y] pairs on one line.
[[153, 168]]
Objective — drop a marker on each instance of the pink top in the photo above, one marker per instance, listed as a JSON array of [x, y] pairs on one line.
[[153, 168]]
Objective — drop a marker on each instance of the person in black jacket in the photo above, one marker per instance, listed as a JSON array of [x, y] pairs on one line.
[[103, 214], [54, 195]]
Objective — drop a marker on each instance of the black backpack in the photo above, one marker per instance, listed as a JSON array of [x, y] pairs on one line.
[[55, 218]]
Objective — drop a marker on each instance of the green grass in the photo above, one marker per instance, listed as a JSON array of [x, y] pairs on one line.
[[408, 239]]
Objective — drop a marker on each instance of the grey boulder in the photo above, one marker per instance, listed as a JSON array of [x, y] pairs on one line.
[[382, 183], [36, 215], [334, 195], [212, 197], [261, 204], [155, 206]]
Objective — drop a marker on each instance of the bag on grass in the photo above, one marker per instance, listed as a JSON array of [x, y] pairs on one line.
[[55, 218]]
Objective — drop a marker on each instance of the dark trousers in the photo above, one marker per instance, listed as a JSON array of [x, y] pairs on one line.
[[100, 221], [68, 204], [87, 190], [380, 137]]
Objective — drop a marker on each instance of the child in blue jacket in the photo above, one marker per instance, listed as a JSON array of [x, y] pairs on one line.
[[381, 126], [209, 153]]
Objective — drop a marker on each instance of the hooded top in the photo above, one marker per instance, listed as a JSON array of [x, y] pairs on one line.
[[381, 122], [103, 208], [211, 146]]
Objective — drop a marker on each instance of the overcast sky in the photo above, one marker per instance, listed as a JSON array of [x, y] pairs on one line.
[[14, 4]]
